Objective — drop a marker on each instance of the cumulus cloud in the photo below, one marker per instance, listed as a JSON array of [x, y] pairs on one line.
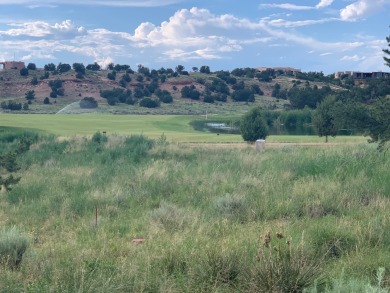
[[41, 29], [361, 8], [324, 3], [195, 33], [189, 34]]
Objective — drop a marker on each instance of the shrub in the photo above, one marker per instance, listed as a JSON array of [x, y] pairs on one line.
[[341, 284], [253, 125], [111, 75], [31, 66], [169, 216], [98, 137], [284, 268], [231, 206], [243, 95], [13, 244], [34, 80], [137, 147], [216, 267], [149, 103], [88, 103], [24, 72]]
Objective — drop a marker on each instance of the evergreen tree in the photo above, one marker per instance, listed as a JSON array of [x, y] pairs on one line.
[[253, 125], [387, 52]]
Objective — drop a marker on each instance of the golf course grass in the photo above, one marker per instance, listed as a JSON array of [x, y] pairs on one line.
[[176, 128]]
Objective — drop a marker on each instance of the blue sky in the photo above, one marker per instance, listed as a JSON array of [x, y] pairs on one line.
[[313, 35]]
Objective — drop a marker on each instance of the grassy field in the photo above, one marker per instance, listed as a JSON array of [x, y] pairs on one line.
[[116, 214], [175, 127]]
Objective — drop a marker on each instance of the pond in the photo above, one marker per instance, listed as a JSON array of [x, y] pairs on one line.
[[232, 127]]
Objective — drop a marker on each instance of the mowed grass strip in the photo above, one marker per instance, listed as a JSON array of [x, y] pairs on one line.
[[174, 127]]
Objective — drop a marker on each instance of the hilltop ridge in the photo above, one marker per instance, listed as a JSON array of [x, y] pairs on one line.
[[215, 92]]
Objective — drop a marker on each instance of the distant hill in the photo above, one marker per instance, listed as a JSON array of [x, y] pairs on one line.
[[218, 92]]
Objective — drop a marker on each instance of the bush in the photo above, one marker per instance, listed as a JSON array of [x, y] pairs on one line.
[[88, 103], [149, 103], [216, 268], [343, 285], [169, 216], [98, 137], [13, 244], [243, 95], [284, 268], [231, 206], [31, 66], [24, 72], [137, 147], [253, 125], [34, 80]]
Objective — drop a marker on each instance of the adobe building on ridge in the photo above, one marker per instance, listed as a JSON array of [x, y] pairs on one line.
[[12, 65]]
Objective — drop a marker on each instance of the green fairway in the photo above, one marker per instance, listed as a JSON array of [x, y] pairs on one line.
[[174, 127]]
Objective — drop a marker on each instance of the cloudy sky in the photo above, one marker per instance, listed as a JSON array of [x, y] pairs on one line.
[[313, 35]]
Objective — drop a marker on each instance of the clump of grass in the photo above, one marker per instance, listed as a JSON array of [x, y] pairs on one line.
[[343, 285], [281, 267], [333, 243], [99, 138], [169, 216], [216, 267], [13, 244], [231, 206]]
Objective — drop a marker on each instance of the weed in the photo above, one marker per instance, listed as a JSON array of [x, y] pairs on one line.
[[169, 216], [344, 285], [231, 207], [281, 267], [13, 244]]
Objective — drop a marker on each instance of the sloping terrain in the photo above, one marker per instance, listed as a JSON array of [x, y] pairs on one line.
[[13, 87]]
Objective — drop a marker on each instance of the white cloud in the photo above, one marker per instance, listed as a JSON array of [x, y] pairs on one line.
[[354, 58], [361, 8], [197, 33], [287, 6], [290, 6], [324, 3], [298, 23], [41, 29], [189, 34], [311, 42], [115, 3]]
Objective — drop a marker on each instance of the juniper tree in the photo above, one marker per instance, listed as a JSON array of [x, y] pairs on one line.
[[387, 52]]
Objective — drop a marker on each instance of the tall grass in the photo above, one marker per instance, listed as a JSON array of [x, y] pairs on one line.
[[199, 212]]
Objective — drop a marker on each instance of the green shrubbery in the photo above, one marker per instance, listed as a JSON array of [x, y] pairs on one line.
[[199, 211], [13, 245]]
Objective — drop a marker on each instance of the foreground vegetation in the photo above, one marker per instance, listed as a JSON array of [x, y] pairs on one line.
[[131, 214]]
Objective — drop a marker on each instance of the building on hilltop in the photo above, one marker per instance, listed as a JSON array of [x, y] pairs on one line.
[[285, 70], [12, 65], [361, 75]]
